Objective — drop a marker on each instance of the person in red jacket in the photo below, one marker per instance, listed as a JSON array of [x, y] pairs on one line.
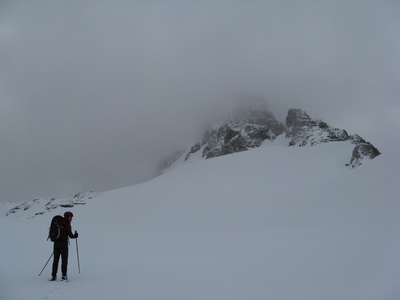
[[61, 247]]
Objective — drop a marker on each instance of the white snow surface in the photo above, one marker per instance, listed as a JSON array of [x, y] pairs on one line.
[[269, 223]]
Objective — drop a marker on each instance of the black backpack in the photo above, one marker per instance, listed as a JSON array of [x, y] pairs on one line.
[[57, 228]]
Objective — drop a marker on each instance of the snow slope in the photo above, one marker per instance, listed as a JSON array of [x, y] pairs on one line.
[[270, 223]]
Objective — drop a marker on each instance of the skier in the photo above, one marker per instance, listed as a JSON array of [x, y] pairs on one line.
[[61, 247]]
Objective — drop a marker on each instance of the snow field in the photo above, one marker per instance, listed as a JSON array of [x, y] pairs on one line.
[[270, 223]]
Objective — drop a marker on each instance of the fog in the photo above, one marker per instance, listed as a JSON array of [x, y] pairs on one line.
[[93, 94]]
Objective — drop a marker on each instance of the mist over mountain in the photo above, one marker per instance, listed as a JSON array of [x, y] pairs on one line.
[[94, 93], [292, 194], [252, 123]]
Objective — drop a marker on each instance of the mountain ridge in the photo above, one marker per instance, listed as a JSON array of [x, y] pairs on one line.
[[249, 127]]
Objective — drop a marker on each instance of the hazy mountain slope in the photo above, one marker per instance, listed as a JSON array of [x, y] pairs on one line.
[[270, 223], [253, 125]]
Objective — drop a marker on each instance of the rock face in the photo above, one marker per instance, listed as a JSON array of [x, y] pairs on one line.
[[362, 151], [298, 118], [305, 132], [246, 130], [251, 126]]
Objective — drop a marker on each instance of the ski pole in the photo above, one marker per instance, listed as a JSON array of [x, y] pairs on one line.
[[77, 254], [46, 263]]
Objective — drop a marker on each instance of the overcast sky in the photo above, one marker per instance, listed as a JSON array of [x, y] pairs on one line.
[[94, 93]]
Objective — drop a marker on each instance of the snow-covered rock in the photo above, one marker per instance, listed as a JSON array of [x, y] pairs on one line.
[[361, 151], [247, 129], [251, 126], [35, 207], [303, 131]]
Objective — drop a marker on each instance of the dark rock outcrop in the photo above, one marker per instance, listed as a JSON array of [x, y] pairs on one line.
[[194, 149], [246, 130], [305, 132], [298, 118], [252, 125], [362, 151]]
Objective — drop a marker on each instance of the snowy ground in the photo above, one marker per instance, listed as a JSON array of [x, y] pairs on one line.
[[271, 223]]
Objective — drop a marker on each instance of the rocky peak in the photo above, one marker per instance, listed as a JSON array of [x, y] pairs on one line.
[[251, 125], [305, 132], [247, 129], [298, 118], [362, 151]]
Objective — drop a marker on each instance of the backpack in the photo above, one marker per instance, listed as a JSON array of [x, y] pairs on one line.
[[58, 229]]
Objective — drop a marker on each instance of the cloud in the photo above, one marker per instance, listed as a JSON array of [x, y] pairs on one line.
[[93, 94]]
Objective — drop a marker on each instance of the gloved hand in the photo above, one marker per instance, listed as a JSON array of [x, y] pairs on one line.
[[76, 234]]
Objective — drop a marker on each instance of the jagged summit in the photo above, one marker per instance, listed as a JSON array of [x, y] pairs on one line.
[[298, 118], [251, 125], [303, 131], [245, 130], [248, 128]]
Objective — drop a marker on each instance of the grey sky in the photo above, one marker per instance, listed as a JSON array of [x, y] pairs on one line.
[[94, 93]]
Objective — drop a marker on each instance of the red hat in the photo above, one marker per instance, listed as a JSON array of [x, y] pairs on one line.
[[68, 214]]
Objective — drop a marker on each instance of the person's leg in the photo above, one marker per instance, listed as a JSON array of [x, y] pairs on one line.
[[64, 260], [57, 252]]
